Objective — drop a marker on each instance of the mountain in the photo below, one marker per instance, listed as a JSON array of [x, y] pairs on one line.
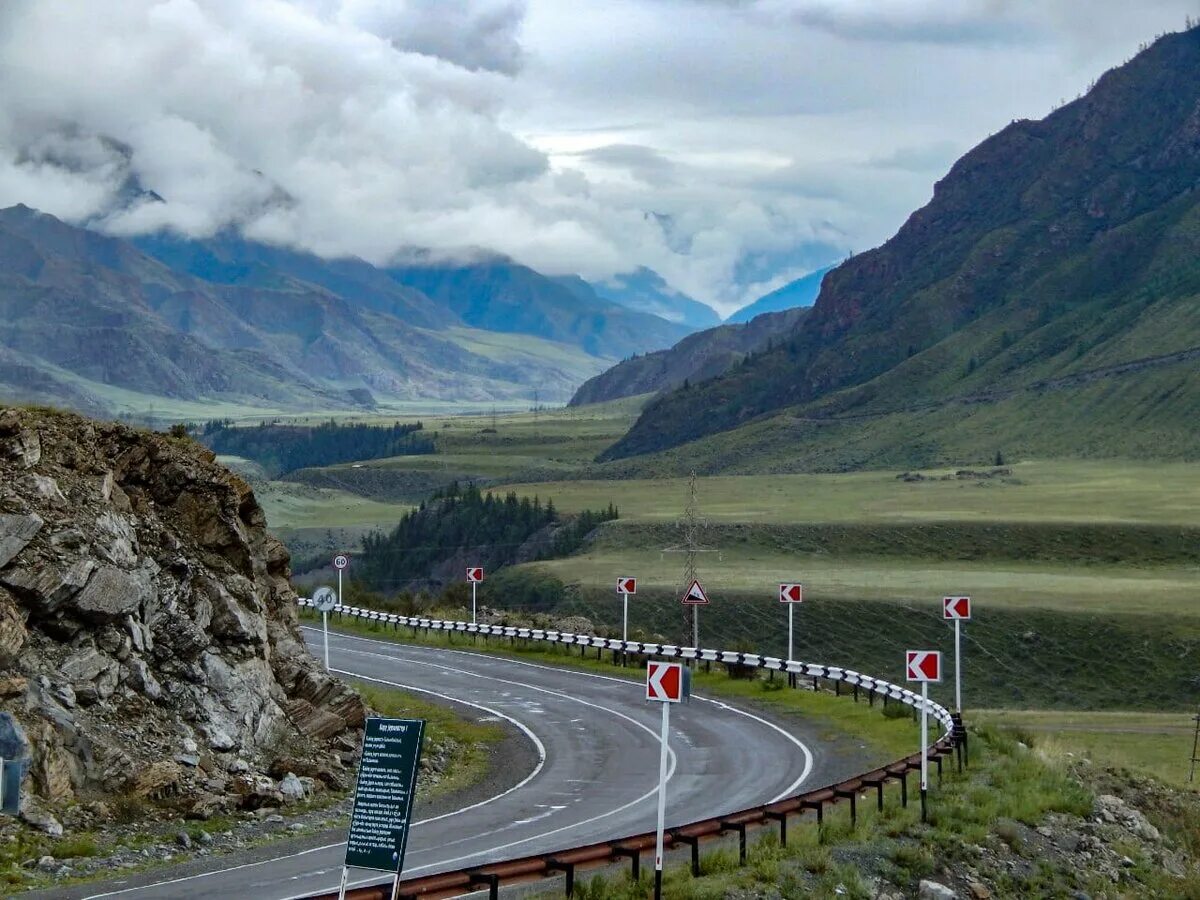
[[95, 323], [502, 296], [645, 290], [697, 357], [231, 259], [801, 292], [1046, 301]]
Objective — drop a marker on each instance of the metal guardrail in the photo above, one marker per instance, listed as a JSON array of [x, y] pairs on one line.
[[569, 860]]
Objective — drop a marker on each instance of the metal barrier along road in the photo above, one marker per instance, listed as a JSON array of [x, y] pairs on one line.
[[569, 860]]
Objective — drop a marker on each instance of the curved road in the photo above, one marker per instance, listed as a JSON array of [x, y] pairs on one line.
[[596, 778]]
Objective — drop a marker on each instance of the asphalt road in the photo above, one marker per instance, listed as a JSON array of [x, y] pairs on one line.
[[595, 775]]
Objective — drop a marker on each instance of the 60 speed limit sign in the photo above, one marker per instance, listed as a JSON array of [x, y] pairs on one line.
[[340, 561]]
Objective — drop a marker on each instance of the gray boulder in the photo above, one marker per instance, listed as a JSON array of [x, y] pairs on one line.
[[15, 534]]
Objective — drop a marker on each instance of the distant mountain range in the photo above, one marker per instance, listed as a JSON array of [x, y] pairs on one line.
[[111, 326], [646, 291], [801, 292], [1045, 302]]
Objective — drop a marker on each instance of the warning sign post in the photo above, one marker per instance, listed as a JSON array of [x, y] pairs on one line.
[[383, 797]]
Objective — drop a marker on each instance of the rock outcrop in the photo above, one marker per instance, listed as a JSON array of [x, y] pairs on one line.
[[149, 645]]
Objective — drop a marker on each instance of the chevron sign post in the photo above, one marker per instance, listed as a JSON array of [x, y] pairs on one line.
[[474, 575], [666, 683], [791, 594], [625, 587], [924, 666], [957, 610]]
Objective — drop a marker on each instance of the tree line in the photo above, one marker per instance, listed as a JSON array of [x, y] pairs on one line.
[[280, 449], [491, 530]]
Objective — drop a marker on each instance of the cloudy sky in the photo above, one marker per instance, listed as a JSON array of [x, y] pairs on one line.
[[728, 144]]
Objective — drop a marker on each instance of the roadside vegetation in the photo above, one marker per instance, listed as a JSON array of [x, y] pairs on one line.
[[1018, 822]]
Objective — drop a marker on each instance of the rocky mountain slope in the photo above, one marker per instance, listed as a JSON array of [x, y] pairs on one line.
[[149, 648], [1046, 299], [698, 356]]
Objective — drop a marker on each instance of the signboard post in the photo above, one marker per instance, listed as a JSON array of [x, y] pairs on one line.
[[474, 575], [791, 594], [695, 597], [924, 666], [324, 600], [383, 798], [666, 683], [340, 562], [958, 610], [625, 587]]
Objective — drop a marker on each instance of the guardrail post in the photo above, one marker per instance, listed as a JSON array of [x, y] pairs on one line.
[[694, 843], [492, 882], [856, 693], [782, 819], [566, 868], [871, 698], [635, 860], [819, 806], [852, 796], [960, 739], [740, 828]]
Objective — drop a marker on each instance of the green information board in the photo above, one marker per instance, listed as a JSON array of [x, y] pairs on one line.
[[383, 796]]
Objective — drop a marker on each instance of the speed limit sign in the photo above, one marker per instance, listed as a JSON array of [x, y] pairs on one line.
[[340, 561]]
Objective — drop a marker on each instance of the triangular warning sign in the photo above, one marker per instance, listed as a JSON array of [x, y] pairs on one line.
[[695, 595]]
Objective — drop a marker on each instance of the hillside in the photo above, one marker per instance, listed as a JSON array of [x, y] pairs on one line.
[[498, 295], [695, 358], [801, 292], [95, 323], [1045, 302]]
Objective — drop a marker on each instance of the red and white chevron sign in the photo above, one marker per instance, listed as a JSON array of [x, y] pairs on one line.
[[626, 585], [923, 665], [791, 593], [956, 607], [664, 682], [475, 573]]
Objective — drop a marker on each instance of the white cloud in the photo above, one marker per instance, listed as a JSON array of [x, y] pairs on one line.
[[722, 144]]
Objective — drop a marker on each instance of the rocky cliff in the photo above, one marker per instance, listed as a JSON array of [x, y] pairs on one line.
[[149, 645]]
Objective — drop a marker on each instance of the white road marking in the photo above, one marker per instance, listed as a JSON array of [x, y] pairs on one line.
[[451, 862], [789, 791]]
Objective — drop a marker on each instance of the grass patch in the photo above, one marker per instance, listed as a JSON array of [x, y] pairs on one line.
[[1058, 491], [469, 739], [1157, 744], [74, 847]]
